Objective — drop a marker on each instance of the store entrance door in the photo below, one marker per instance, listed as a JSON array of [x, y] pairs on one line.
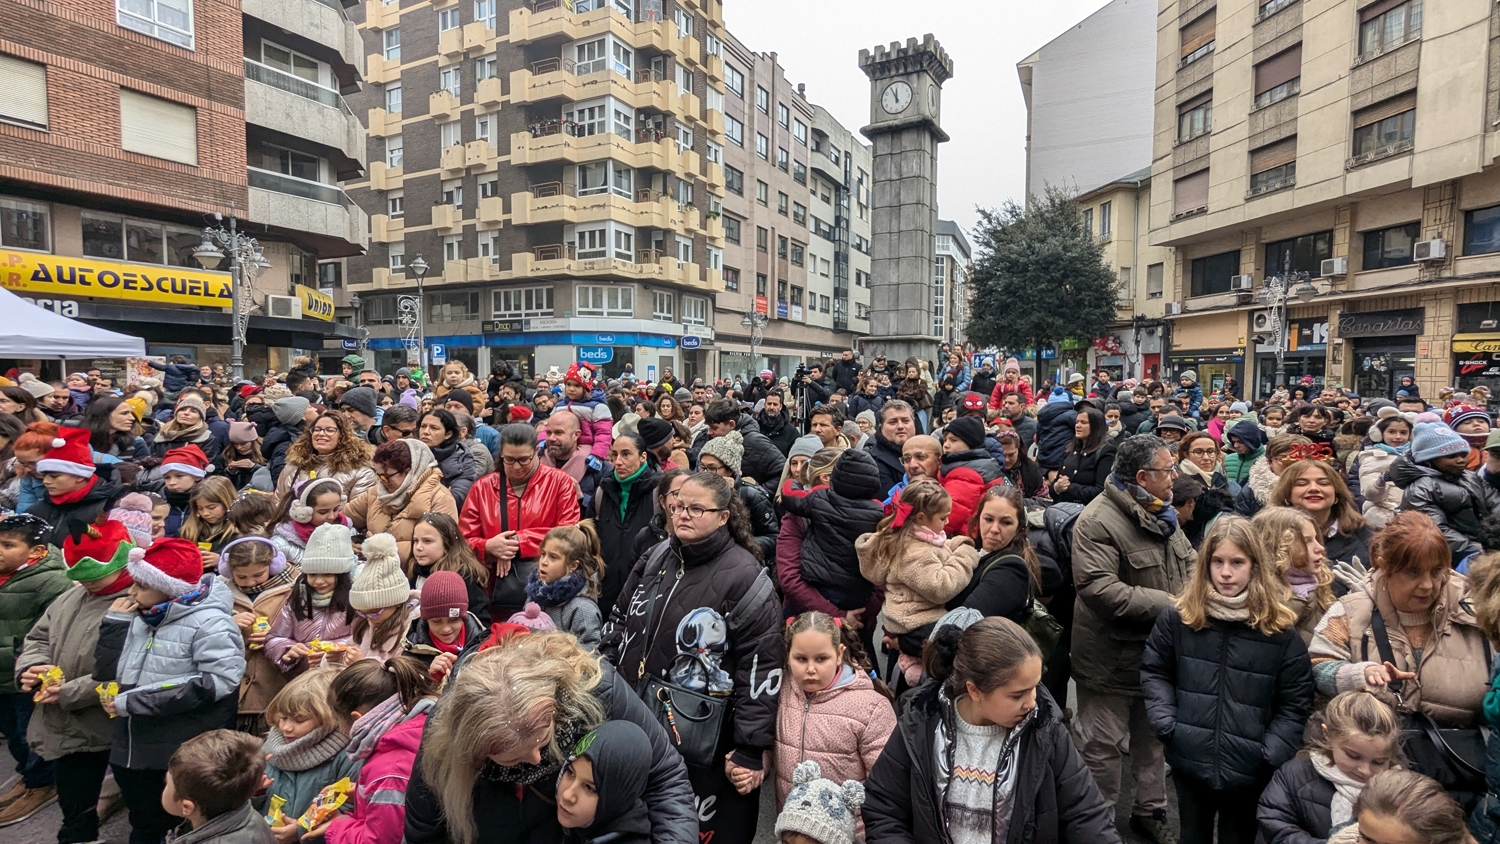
[[1378, 367]]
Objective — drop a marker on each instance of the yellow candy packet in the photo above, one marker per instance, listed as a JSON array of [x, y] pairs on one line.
[[325, 804], [320, 646], [261, 625], [107, 693], [276, 817], [49, 678]]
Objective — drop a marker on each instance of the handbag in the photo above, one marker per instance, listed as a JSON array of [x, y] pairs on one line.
[[509, 592], [1036, 620]]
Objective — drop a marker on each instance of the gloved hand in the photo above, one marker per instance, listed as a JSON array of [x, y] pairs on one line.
[[1354, 575]]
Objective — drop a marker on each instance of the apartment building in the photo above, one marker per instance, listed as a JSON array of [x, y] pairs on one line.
[[1345, 150], [558, 165], [124, 127], [950, 284]]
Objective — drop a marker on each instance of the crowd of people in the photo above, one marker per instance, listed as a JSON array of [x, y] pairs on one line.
[[377, 609]]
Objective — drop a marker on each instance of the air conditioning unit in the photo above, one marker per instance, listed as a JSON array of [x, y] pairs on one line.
[[284, 307], [1174, 309], [1241, 283], [1262, 322], [1334, 267], [1429, 250]]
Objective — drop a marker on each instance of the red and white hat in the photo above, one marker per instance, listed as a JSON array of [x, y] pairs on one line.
[[582, 373], [172, 565], [70, 454], [188, 459]]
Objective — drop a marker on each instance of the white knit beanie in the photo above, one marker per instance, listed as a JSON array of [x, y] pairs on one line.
[[330, 550], [381, 583]]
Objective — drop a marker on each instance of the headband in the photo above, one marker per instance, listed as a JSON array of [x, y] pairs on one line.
[[278, 559], [1310, 451]]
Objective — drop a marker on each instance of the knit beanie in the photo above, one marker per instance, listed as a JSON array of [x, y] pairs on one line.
[[289, 410], [102, 550], [38, 388], [444, 595], [362, 399], [820, 808], [172, 565], [275, 392], [656, 432], [805, 446], [1432, 440], [728, 449], [134, 512], [855, 475], [194, 401], [865, 416], [242, 432], [1012, 365], [457, 394], [533, 619], [381, 583], [330, 550], [137, 406], [969, 429]]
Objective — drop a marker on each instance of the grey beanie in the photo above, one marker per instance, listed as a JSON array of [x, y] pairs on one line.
[[819, 808], [805, 446], [361, 399], [289, 411]]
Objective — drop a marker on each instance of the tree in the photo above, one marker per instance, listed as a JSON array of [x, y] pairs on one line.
[[1038, 278]]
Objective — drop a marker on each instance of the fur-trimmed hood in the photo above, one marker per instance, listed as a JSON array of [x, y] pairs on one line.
[[1261, 481]]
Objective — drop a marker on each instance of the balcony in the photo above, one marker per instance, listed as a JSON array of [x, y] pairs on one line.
[[443, 105], [714, 175], [648, 265], [554, 202], [294, 106], [378, 71], [382, 15], [383, 229], [655, 152], [383, 177], [713, 229], [491, 212], [489, 93], [559, 79], [446, 217], [324, 23], [715, 124], [714, 67], [294, 204], [1379, 153], [549, 20], [480, 156], [479, 37], [453, 160], [383, 124], [451, 43]]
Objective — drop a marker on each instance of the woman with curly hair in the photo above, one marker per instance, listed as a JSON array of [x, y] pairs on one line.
[[328, 448]]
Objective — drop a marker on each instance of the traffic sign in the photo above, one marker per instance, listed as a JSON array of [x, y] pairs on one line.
[[439, 353]]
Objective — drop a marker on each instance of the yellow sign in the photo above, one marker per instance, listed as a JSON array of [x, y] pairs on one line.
[[34, 274], [1463, 343], [315, 303]]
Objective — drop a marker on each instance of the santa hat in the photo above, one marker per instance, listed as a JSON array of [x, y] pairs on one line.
[[188, 459], [70, 454], [171, 565], [520, 413], [102, 550], [582, 373]]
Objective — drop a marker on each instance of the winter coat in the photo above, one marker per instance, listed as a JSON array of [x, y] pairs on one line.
[[914, 392], [428, 496], [1228, 702], [1127, 569], [887, 461], [287, 630], [966, 475], [175, 376], [596, 422], [24, 598], [617, 532], [983, 382], [243, 825], [1000, 586], [1055, 800], [66, 636], [417, 643], [1484, 822], [1456, 504], [1087, 473], [762, 461], [1344, 547], [778, 429], [764, 523], [1054, 433], [943, 399], [1255, 493], [829, 560], [468, 385], [457, 465], [73, 519], [859, 403], [504, 813], [845, 374], [354, 481], [1003, 387], [713, 574], [275, 443], [550, 500], [263, 679], [177, 680], [380, 793], [920, 579], [387, 648], [1237, 468], [843, 728], [299, 788], [1132, 415], [1296, 807]]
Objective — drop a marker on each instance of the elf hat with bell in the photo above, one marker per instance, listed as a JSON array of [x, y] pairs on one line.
[[70, 454], [102, 550]]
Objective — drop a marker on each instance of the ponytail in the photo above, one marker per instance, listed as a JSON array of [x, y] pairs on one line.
[[988, 654], [367, 683]]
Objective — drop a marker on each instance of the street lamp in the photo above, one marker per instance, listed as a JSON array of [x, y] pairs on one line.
[[756, 322], [409, 312], [1276, 292], [245, 260], [354, 303]]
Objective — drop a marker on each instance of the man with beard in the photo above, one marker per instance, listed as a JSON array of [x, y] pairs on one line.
[[895, 425], [776, 424], [542, 403], [1012, 409], [561, 450], [845, 372]]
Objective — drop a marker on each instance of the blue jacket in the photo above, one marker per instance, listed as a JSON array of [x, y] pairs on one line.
[[175, 376]]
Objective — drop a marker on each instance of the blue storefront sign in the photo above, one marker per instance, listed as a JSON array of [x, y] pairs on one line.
[[691, 342], [350, 345], [604, 339], [596, 354]]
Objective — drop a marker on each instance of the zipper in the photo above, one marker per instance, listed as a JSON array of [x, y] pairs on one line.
[[802, 745], [1219, 713], [660, 617]]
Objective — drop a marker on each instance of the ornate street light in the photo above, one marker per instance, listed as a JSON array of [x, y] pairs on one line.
[[246, 260]]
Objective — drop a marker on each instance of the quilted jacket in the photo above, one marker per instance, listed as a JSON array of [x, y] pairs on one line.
[[65, 636], [843, 729]]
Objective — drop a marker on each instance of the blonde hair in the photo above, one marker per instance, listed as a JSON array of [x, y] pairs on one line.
[[306, 694], [581, 548], [821, 463], [504, 695], [1419, 803], [1267, 590], [1280, 529], [215, 490], [926, 498], [1358, 713]]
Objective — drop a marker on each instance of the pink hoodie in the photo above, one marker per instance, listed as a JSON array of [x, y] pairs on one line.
[[380, 795]]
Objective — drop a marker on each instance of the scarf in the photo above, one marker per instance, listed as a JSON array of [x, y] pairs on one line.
[[174, 432], [626, 484], [305, 753], [1163, 511], [1345, 788], [123, 582], [1393, 449], [925, 535], [1303, 581], [559, 591], [305, 532], [373, 725], [454, 648], [154, 616], [565, 734], [422, 462], [1228, 609], [76, 495], [322, 602], [1188, 467], [287, 576]]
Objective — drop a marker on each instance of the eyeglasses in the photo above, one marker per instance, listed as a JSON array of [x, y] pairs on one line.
[[1168, 469], [386, 477], [519, 461], [404, 433], [332, 431], [1203, 452], [694, 510]]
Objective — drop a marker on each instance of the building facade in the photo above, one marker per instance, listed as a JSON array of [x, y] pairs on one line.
[[950, 284], [125, 128], [1353, 142]]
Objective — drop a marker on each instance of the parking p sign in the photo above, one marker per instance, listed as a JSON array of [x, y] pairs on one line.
[[439, 353]]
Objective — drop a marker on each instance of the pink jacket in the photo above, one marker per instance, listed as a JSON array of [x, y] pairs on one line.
[[597, 425], [286, 631], [843, 729], [380, 794]]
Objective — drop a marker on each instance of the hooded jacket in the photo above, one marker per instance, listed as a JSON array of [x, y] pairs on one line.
[[384, 778], [1457, 504], [762, 460], [966, 475], [287, 630], [429, 495], [275, 444], [1255, 493], [1382, 498], [1003, 387], [920, 579], [1132, 415], [418, 645], [299, 776], [620, 754], [837, 516], [617, 530], [457, 465], [843, 728], [24, 598], [1054, 432], [66, 636]]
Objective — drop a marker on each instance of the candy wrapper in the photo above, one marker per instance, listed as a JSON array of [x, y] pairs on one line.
[[325, 804], [107, 693], [261, 626], [49, 678], [274, 815], [320, 646]]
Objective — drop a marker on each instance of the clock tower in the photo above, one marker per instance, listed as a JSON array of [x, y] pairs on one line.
[[906, 90]]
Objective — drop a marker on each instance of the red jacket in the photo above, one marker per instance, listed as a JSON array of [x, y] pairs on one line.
[[1002, 387], [551, 500]]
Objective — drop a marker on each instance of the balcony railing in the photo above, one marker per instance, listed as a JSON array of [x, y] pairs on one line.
[[552, 251], [293, 186], [647, 74], [546, 189], [551, 65], [276, 78], [649, 256], [1378, 153], [1268, 187], [647, 195]]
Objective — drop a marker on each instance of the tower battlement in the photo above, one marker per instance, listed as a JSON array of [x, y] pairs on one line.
[[896, 59]]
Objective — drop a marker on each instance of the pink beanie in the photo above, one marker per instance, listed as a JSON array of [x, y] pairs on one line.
[[533, 619], [134, 512]]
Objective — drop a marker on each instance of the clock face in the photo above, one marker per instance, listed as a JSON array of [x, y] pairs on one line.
[[896, 98]]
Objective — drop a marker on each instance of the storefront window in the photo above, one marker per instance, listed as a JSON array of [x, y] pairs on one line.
[[1378, 367]]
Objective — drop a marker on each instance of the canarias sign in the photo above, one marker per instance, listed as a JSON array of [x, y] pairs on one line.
[[38, 275]]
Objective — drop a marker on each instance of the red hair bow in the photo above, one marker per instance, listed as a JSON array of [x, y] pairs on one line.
[[903, 511]]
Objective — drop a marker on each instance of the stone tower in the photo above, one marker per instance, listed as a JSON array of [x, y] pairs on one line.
[[906, 90]]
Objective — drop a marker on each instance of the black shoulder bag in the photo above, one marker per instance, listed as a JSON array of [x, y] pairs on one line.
[[508, 593], [1035, 619]]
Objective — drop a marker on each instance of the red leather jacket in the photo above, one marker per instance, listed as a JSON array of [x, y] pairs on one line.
[[551, 500]]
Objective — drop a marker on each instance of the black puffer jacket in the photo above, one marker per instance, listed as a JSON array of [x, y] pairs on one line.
[[1456, 504], [1055, 800], [1132, 415], [616, 532], [1296, 806], [839, 514], [263, 417], [1228, 702], [779, 430], [1086, 473], [457, 465], [764, 522], [670, 582], [888, 463], [762, 460], [1054, 433], [74, 519], [273, 447]]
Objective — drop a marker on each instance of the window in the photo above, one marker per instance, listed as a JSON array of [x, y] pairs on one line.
[[939, 293], [861, 278], [731, 280], [762, 100], [799, 256], [799, 173], [760, 284], [1155, 275], [392, 40], [861, 311], [1482, 230], [484, 10], [1195, 117], [732, 229], [25, 225], [452, 306], [782, 247], [453, 192], [713, 46], [588, 57], [590, 120], [684, 192], [624, 243], [453, 247], [484, 68], [684, 21], [125, 239], [522, 302], [604, 301], [1386, 26], [684, 138], [395, 204], [1105, 224], [396, 257], [796, 300], [1198, 38], [715, 258], [799, 213], [1211, 274], [1386, 127], [783, 161], [685, 249], [684, 79], [298, 165], [713, 100], [713, 152], [450, 134], [1278, 77], [1088, 222], [762, 146], [734, 130], [450, 80], [1190, 193], [695, 309], [762, 238], [489, 187], [781, 203], [1271, 7], [448, 19], [393, 98], [734, 181], [823, 304], [394, 153], [1299, 254], [1390, 247], [762, 193], [158, 128], [799, 131], [1273, 166], [734, 81], [169, 20], [291, 62], [330, 274], [591, 243], [823, 266], [783, 115], [23, 98], [484, 128], [661, 306]]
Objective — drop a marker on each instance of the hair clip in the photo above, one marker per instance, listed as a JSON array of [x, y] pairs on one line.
[[838, 621]]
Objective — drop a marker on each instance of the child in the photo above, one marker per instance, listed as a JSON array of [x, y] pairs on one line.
[[76, 496], [304, 750], [384, 600], [819, 810], [437, 545], [318, 608], [601, 789], [1296, 550], [317, 502], [1227, 684], [241, 459], [566, 581], [209, 781], [446, 630], [1313, 795], [1437, 481], [134, 512], [31, 577], [180, 471], [594, 417], [384, 708], [919, 567], [1405, 806], [179, 667], [837, 515], [208, 522], [831, 712], [252, 512], [1389, 438], [260, 581], [160, 509]]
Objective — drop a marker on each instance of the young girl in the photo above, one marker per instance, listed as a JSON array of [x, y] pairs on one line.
[[208, 522], [318, 609], [304, 750], [317, 502], [601, 789], [241, 459], [160, 509], [831, 711], [181, 471], [437, 545], [566, 581], [919, 567], [384, 600], [1390, 438], [252, 512], [260, 581], [446, 631], [1401, 806], [1227, 684], [1313, 795], [580, 397], [384, 707], [1296, 550]]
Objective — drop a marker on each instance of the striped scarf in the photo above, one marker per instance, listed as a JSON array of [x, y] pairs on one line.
[[1163, 511]]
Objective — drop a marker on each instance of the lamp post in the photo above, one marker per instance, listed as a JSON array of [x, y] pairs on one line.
[[1276, 293], [354, 303], [756, 322], [245, 256], [410, 311]]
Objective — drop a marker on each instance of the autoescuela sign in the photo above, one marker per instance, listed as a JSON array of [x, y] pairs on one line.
[[35, 275]]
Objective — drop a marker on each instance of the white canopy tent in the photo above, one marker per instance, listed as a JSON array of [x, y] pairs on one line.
[[27, 331]]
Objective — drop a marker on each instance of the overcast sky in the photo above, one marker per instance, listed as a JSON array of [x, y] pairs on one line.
[[818, 42]]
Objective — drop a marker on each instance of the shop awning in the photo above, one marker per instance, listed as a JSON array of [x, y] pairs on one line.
[[1482, 342]]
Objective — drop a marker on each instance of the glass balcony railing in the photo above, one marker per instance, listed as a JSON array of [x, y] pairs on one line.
[[276, 78], [293, 186]]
